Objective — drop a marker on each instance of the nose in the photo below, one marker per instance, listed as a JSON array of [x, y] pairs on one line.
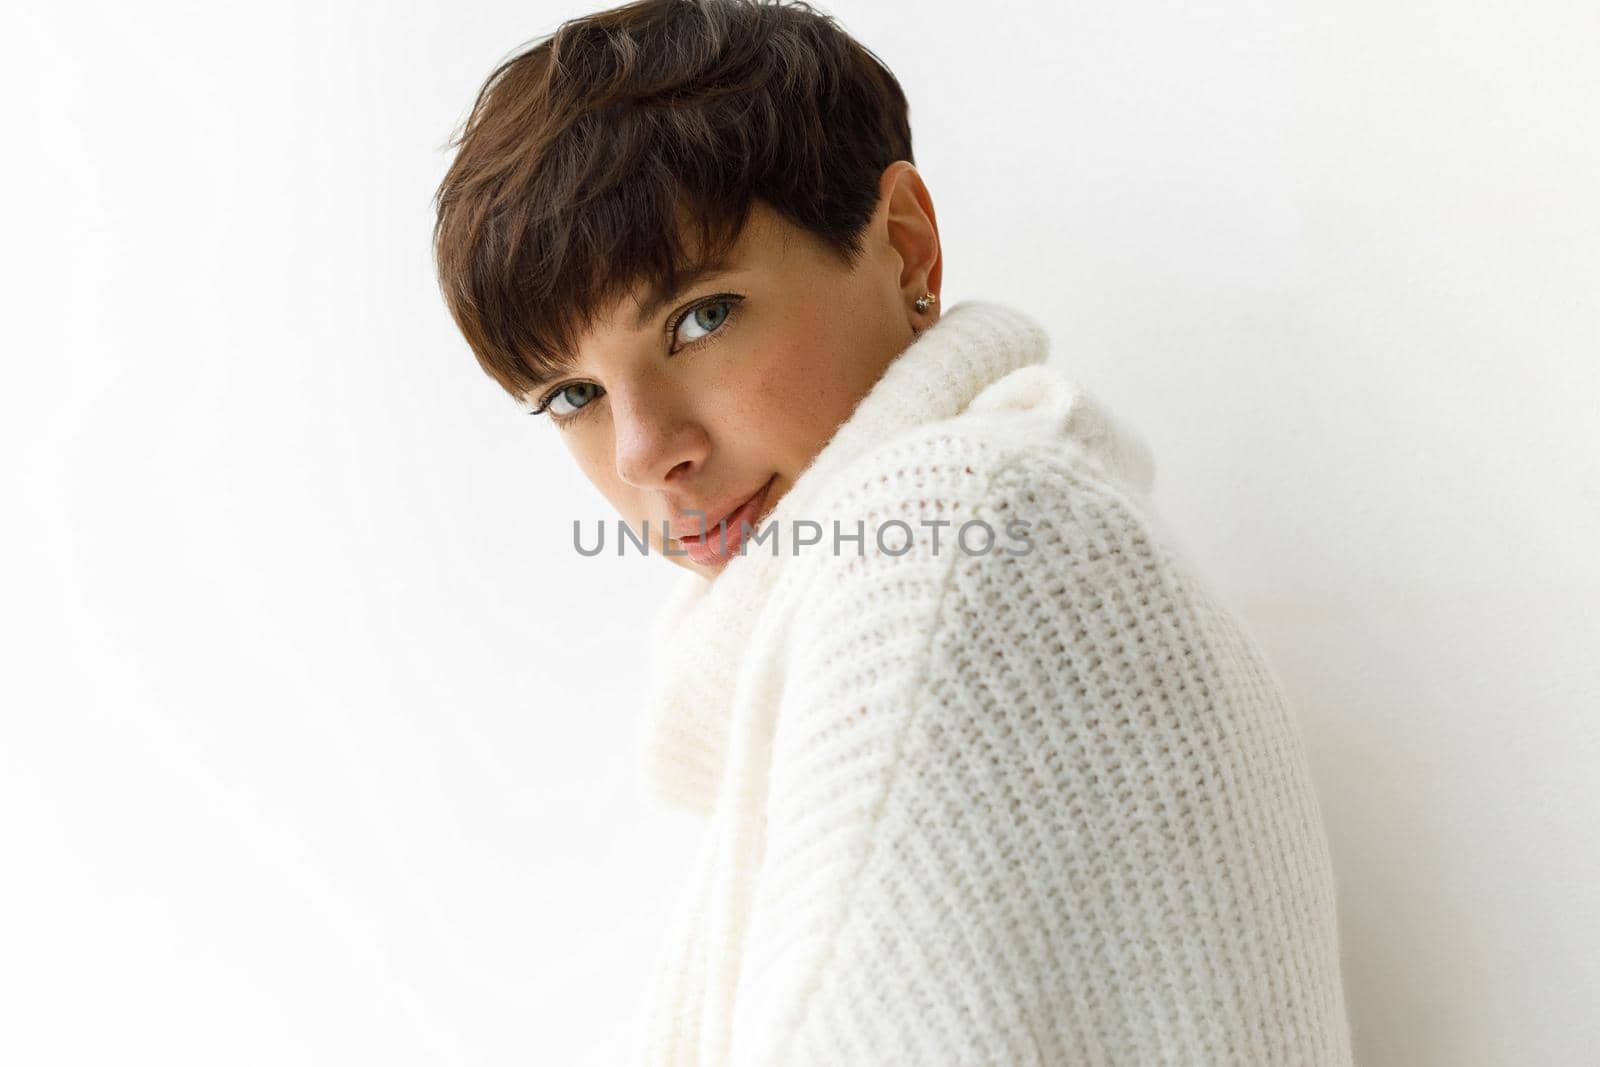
[[657, 442]]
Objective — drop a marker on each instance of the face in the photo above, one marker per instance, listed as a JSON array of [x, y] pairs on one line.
[[723, 395]]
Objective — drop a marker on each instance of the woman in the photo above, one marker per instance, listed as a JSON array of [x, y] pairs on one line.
[[988, 776]]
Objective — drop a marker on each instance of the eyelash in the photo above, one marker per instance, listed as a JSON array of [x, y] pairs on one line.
[[731, 299]]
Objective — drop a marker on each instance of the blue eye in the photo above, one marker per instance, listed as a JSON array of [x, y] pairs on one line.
[[568, 400], [707, 317]]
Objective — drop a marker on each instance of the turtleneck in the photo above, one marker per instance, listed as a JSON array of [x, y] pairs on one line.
[[696, 638]]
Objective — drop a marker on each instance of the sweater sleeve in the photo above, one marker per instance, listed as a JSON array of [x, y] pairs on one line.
[[1045, 808]]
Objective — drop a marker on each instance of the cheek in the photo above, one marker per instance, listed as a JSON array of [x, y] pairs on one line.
[[595, 462], [804, 391], [590, 458], [789, 384]]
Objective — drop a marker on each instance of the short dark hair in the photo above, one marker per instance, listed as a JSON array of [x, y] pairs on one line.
[[591, 153]]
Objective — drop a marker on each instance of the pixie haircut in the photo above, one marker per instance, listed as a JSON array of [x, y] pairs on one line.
[[625, 149]]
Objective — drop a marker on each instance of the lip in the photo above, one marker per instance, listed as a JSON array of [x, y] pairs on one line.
[[717, 546]]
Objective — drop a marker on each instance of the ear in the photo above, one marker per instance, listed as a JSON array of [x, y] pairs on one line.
[[910, 228]]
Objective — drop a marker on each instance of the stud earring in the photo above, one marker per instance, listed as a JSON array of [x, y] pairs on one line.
[[925, 301]]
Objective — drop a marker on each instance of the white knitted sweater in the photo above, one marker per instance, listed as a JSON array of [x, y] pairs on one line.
[[970, 808]]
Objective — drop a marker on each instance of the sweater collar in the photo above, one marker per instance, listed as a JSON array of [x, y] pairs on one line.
[[683, 732]]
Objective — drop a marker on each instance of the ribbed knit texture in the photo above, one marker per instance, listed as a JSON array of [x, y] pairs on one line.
[[982, 809]]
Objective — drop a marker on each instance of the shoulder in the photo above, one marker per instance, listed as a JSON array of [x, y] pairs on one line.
[[1060, 747], [1034, 450], [1037, 417], [982, 553]]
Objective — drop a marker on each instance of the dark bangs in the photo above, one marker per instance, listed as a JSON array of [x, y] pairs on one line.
[[628, 148]]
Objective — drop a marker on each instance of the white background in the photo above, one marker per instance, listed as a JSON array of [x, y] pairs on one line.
[[315, 746]]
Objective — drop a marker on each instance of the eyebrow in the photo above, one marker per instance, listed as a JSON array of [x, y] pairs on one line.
[[658, 299], [541, 382]]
